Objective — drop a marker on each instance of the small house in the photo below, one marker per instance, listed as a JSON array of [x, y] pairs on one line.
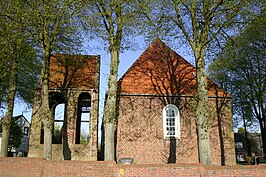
[[24, 127]]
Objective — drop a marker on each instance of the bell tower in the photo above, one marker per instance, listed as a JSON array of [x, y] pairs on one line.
[[74, 101]]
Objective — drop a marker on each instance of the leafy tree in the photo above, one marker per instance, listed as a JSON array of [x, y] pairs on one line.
[[200, 23], [15, 135], [57, 134], [3, 79], [243, 63], [52, 25], [18, 82], [84, 138], [28, 73], [114, 20], [14, 50], [6, 122], [251, 142]]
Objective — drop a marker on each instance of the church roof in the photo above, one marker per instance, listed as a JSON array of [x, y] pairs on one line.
[[161, 71]]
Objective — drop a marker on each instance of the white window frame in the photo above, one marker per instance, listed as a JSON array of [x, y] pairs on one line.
[[239, 144], [177, 121], [240, 157]]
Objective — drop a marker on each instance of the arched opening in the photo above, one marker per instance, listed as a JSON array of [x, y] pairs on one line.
[[57, 105], [59, 115], [171, 121], [83, 119]]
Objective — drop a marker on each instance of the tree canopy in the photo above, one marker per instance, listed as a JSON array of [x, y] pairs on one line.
[[39, 28], [13, 38], [114, 22], [17, 55], [240, 68]]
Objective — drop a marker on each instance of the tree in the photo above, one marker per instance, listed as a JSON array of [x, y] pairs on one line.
[[14, 85], [200, 23], [3, 79], [57, 134], [251, 144], [52, 25], [15, 135], [113, 21], [245, 69], [14, 50]]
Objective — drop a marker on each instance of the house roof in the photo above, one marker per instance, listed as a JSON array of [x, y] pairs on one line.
[[254, 138], [20, 116], [14, 119], [160, 70], [74, 71]]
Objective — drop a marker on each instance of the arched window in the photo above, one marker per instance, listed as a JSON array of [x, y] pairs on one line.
[[83, 118], [58, 123], [57, 104], [171, 121]]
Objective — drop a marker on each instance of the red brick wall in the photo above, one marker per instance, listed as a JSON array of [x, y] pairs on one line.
[[74, 71], [140, 132], [37, 167], [169, 170], [236, 171], [20, 167]]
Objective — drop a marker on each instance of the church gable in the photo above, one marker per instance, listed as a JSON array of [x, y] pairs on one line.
[[161, 71]]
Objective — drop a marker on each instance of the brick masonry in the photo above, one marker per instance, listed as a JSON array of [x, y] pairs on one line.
[[38, 167], [140, 133]]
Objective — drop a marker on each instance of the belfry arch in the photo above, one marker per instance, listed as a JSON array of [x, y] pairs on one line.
[[57, 103], [83, 119]]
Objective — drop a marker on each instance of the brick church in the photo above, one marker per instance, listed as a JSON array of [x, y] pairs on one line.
[[156, 112], [156, 120]]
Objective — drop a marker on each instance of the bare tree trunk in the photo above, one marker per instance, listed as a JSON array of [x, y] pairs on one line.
[[263, 136], [263, 128], [110, 108], [202, 112], [109, 150], [112, 16], [45, 112], [10, 106], [220, 129], [66, 149], [47, 127]]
